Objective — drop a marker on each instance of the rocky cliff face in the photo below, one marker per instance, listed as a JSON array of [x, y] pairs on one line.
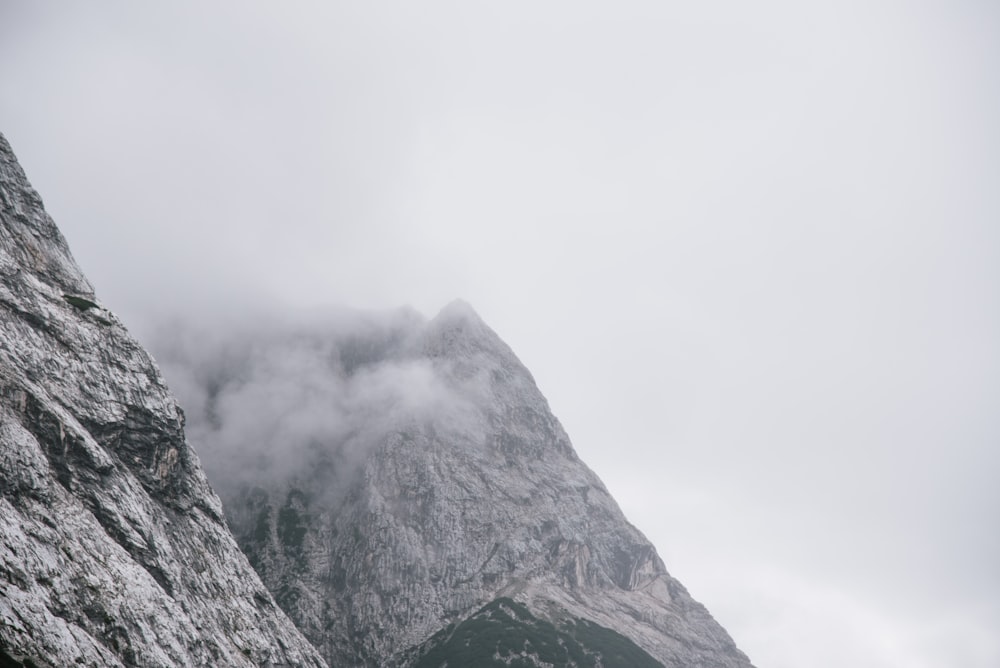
[[113, 547], [456, 491]]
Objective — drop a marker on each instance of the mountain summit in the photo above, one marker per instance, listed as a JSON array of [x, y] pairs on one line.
[[398, 487], [113, 547], [441, 515]]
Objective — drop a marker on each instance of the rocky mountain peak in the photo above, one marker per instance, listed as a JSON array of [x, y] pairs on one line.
[[458, 488], [459, 311], [457, 331]]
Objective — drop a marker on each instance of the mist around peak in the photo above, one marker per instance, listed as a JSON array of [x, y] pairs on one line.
[[271, 398]]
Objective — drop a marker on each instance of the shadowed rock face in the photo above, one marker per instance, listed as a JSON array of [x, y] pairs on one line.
[[113, 548], [382, 538]]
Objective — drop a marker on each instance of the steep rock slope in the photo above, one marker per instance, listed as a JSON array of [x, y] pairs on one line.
[[457, 488], [113, 548]]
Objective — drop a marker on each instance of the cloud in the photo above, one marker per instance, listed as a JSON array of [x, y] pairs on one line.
[[268, 399]]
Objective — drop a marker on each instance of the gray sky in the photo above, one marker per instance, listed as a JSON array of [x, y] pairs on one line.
[[750, 251]]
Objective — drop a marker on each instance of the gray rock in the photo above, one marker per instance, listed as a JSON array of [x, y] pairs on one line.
[[455, 488], [113, 547]]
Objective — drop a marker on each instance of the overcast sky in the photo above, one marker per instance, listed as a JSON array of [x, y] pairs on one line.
[[750, 251]]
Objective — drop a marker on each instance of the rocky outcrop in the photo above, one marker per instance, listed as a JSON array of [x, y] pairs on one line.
[[469, 491], [113, 547]]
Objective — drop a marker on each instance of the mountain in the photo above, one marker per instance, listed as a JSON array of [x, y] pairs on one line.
[[113, 548], [408, 497], [397, 487]]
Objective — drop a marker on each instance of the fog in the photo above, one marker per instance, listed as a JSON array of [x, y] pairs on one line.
[[749, 252], [271, 398]]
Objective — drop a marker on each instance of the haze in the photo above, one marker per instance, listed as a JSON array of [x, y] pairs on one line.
[[749, 251]]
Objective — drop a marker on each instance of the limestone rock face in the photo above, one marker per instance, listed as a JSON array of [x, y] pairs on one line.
[[457, 487], [113, 547]]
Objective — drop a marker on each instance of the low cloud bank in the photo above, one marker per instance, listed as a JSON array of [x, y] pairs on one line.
[[273, 400]]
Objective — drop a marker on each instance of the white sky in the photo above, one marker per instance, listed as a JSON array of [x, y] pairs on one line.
[[750, 251]]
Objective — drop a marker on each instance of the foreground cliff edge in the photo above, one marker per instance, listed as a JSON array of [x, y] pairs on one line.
[[113, 547]]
